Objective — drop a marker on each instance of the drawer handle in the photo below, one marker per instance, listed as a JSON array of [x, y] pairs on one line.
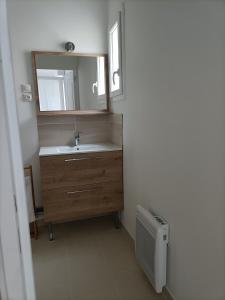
[[81, 191], [82, 158]]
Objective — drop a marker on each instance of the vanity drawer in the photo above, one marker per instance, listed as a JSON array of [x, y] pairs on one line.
[[71, 203], [80, 169]]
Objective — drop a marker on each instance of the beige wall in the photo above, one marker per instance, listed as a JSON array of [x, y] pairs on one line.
[[46, 25], [174, 134]]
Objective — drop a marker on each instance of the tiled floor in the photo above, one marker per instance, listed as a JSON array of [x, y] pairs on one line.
[[89, 260]]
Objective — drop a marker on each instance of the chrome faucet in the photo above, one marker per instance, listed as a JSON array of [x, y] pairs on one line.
[[77, 139]]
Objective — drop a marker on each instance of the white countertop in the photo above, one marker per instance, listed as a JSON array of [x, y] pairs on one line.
[[84, 148]]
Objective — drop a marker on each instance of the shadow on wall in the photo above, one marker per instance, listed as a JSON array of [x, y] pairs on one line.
[[28, 65], [30, 147]]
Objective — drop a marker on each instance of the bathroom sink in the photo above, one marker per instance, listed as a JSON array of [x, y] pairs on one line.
[[67, 149], [83, 148], [80, 148]]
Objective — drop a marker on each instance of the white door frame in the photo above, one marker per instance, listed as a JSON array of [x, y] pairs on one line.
[[16, 155], [3, 288]]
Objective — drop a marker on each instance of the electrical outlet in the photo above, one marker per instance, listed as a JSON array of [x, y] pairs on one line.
[[27, 97]]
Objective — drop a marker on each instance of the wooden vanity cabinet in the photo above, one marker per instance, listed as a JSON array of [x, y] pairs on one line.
[[79, 186]]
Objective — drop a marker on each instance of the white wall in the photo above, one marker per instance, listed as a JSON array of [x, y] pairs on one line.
[[46, 25], [174, 134]]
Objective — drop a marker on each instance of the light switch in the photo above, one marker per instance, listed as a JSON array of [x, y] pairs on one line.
[[26, 88]]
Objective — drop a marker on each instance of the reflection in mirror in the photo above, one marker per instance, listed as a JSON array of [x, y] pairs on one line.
[[71, 82], [56, 90]]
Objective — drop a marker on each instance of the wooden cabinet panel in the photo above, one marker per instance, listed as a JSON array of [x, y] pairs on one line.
[[81, 185], [77, 169], [69, 203]]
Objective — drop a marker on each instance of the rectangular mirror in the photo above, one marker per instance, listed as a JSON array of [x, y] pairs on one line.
[[70, 81]]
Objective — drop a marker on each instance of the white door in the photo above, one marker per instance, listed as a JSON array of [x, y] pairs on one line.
[[17, 281]]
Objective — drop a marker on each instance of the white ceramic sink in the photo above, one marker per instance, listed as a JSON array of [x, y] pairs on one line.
[[80, 148], [84, 148], [67, 149]]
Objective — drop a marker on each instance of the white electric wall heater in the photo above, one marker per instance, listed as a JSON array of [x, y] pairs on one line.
[[151, 246]]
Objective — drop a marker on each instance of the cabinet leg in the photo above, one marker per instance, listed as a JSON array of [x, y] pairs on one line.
[[50, 232], [117, 222]]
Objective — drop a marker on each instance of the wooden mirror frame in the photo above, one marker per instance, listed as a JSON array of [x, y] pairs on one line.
[[68, 112]]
